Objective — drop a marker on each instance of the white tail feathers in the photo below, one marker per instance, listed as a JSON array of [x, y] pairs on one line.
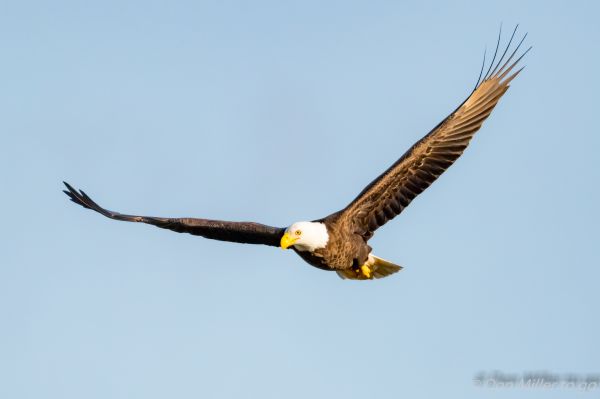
[[379, 268], [383, 268]]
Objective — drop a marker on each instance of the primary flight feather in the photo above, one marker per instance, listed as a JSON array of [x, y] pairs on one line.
[[338, 242]]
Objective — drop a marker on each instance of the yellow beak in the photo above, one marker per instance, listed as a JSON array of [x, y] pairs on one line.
[[287, 241]]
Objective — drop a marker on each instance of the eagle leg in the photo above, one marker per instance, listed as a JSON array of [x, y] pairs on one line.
[[362, 273], [366, 271]]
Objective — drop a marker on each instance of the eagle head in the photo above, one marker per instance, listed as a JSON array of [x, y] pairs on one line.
[[305, 236]]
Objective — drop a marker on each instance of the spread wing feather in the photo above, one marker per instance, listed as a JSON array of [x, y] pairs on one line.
[[241, 232], [391, 192]]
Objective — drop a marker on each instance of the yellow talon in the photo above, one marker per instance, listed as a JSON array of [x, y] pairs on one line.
[[366, 271]]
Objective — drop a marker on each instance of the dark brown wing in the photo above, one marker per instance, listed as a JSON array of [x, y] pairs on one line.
[[421, 165], [242, 232]]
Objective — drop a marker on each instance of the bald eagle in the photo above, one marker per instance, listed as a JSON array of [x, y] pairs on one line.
[[338, 242]]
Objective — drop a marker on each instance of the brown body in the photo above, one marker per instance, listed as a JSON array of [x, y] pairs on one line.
[[346, 249]]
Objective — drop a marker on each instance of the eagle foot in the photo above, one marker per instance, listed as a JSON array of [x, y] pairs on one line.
[[363, 273], [366, 271]]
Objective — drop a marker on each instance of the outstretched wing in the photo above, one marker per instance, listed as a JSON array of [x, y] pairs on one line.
[[391, 192], [242, 232]]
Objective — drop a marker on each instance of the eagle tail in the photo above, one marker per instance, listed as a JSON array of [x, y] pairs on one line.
[[379, 268], [383, 268]]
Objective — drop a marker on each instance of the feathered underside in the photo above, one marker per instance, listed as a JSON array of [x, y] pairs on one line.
[[390, 193]]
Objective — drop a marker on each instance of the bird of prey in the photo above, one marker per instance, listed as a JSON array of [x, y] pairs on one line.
[[339, 242]]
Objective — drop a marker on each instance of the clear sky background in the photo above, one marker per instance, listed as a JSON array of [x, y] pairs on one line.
[[278, 112]]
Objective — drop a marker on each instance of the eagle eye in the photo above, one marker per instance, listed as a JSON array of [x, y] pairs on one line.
[[298, 232]]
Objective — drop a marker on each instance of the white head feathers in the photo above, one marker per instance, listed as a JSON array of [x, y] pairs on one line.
[[308, 235]]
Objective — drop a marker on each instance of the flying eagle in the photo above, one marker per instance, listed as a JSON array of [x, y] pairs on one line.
[[338, 242]]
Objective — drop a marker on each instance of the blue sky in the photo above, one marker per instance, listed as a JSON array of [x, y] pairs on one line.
[[278, 112]]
